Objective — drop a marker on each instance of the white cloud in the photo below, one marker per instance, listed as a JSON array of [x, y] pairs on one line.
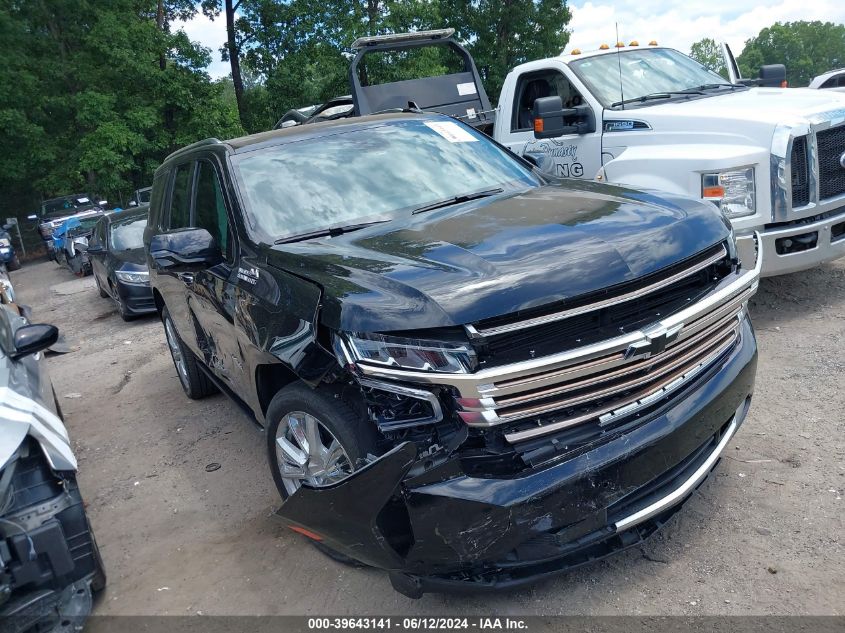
[[679, 24], [211, 34]]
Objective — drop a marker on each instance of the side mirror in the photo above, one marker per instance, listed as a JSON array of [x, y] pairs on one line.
[[773, 76], [187, 250], [132, 203], [81, 243], [550, 115], [30, 339]]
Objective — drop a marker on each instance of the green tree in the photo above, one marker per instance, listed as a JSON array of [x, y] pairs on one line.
[[806, 48], [96, 94], [708, 53], [503, 33]]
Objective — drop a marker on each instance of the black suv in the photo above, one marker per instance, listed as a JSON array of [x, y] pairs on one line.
[[469, 375]]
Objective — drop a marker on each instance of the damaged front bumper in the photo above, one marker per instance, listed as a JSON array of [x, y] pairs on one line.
[[436, 528], [50, 566]]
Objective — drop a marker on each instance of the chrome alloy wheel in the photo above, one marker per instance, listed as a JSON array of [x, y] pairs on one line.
[[307, 451], [175, 351]]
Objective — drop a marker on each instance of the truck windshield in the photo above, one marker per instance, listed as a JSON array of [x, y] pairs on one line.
[[645, 72], [381, 171], [64, 206], [128, 235]]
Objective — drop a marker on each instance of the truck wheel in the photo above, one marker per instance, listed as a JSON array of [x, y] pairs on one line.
[[314, 437], [194, 381], [14, 263]]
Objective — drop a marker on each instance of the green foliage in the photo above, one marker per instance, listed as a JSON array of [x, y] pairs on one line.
[[96, 94], [806, 48], [708, 53]]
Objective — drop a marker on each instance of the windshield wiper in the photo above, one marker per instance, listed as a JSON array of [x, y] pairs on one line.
[[464, 197], [668, 94], [715, 86], [333, 231]]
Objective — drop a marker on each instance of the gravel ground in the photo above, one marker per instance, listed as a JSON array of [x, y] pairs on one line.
[[762, 536]]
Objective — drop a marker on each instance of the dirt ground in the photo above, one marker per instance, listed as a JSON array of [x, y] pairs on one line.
[[762, 536]]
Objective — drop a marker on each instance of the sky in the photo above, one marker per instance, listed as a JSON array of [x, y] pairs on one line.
[[672, 23]]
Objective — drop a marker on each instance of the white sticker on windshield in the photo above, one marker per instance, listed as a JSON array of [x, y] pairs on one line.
[[452, 132], [467, 89]]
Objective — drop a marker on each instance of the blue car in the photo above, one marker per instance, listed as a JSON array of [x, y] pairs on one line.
[[8, 256]]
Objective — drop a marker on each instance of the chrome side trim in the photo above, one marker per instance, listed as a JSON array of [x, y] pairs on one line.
[[410, 392], [628, 296], [677, 495]]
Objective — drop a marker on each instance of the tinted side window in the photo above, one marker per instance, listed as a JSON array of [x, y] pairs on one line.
[[210, 207], [180, 198]]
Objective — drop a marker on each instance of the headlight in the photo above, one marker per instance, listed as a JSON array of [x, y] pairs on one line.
[[5, 242], [732, 191], [412, 353], [134, 277]]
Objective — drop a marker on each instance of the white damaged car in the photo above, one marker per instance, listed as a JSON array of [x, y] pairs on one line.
[[50, 566]]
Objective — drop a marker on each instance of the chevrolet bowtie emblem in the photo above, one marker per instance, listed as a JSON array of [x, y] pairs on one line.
[[656, 340]]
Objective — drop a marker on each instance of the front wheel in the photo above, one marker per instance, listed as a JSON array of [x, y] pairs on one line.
[[314, 437], [194, 381], [14, 263]]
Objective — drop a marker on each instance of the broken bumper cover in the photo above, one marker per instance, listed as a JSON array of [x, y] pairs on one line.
[[444, 530]]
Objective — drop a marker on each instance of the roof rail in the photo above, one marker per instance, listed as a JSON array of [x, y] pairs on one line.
[[398, 38], [202, 143]]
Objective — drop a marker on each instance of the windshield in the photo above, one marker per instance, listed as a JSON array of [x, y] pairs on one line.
[[85, 225], [128, 235], [63, 206], [381, 171], [644, 72]]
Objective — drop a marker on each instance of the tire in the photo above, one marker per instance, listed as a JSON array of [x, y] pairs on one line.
[[121, 309], [14, 264], [103, 293], [355, 434], [194, 381]]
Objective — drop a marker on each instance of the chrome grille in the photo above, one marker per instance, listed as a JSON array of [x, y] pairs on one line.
[[831, 147], [598, 383]]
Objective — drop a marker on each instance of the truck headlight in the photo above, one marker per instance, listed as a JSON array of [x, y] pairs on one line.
[[133, 277], [732, 191], [416, 354]]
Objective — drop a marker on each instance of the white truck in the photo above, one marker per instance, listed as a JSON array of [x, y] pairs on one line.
[[651, 117], [772, 159]]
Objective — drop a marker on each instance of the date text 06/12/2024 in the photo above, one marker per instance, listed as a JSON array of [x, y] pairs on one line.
[[417, 623]]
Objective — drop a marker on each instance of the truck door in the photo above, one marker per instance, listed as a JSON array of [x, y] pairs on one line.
[[569, 156]]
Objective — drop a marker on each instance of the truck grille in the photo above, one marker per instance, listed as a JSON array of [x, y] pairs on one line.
[[609, 388], [590, 319], [831, 145], [601, 384], [800, 173]]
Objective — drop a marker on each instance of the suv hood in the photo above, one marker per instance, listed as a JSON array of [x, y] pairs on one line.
[[478, 260]]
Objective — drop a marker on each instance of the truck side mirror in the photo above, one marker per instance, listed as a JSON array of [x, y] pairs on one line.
[[550, 118], [773, 76], [184, 251]]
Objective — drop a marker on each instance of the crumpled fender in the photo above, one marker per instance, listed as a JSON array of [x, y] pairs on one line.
[[344, 514], [22, 416]]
